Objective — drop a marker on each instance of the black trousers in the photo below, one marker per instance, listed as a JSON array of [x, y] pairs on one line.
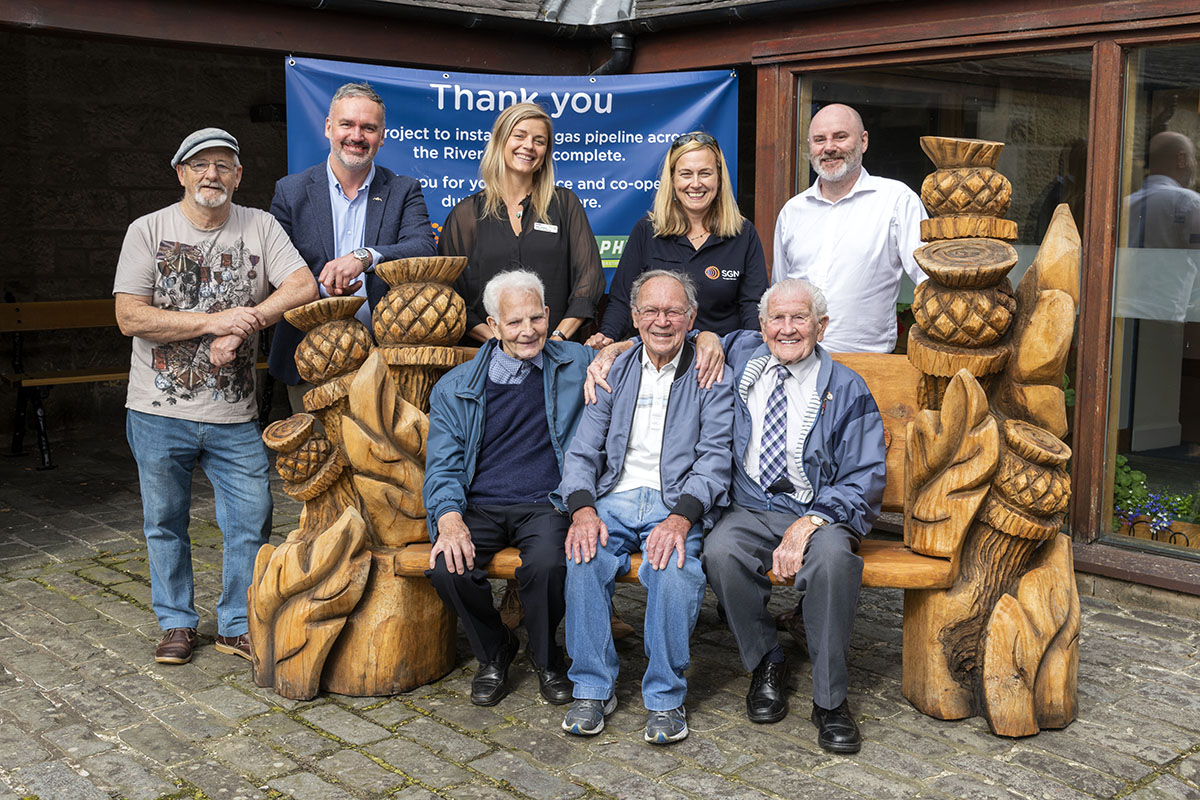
[[539, 531]]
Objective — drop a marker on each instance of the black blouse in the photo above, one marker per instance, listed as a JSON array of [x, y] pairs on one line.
[[562, 251], [730, 276]]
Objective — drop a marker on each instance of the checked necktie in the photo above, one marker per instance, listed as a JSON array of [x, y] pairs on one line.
[[772, 459]]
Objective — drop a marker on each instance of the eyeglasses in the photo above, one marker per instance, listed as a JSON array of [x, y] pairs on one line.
[[672, 314], [694, 136], [201, 167]]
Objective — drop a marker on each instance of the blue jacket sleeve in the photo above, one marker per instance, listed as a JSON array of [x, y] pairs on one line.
[[708, 481], [413, 235], [856, 492], [445, 456], [585, 458], [281, 209]]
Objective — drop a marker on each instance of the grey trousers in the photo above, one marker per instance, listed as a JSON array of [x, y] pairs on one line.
[[737, 556]]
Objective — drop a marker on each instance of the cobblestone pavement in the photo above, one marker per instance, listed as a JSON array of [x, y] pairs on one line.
[[86, 713]]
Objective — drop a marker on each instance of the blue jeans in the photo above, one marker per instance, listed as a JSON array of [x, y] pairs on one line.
[[234, 458], [673, 597]]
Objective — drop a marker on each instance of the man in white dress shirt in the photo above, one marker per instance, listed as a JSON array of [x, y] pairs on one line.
[[851, 233]]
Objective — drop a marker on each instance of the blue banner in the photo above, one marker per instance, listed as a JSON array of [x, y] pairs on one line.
[[611, 132]]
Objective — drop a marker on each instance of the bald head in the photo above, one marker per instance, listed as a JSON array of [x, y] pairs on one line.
[[836, 143], [837, 115], [1173, 154]]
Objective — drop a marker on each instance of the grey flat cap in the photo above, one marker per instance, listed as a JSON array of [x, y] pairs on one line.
[[202, 140]]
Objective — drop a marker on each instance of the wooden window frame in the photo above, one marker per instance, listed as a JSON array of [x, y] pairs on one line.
[[780, 77]]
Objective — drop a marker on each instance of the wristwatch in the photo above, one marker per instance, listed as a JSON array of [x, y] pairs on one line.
[[559, 334], [363, 255], [817, 521]]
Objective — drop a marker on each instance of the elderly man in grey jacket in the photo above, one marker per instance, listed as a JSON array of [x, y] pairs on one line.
[[648, 466]]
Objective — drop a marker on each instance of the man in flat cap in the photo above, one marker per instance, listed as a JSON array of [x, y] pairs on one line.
[[193, 285], [345, 216]]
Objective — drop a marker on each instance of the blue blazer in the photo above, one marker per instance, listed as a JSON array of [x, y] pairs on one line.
[[397, 226]]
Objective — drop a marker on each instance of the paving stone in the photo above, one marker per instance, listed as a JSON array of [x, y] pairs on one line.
[[44, 670], [390, 715], [57, 781], [467, 716], [1015, 777], [229, 702], [159, 743], [787, 781], [619, 782], [33, 712], [526, 778], [706, 784], [356, 770], [103, 708], [219, 783], [872, 783], [1080, 777], [103, 668], [1189, 768], [58, 606], [249, 755], [102, 576], [306, 786], [1092, 752], [419, 793], [193, 723], [418, 763], [292, 737], [18, 750], [144, 692], [969, 788], [120, 773], [126, 612], [631, 751], [552, 749], [341, 723], [77, 741], [442, 740], [1167, 787]]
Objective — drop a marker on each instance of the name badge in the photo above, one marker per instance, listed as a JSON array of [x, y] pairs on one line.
[[545, 227]]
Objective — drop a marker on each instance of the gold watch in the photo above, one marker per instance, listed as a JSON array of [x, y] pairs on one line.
[[816, 521]]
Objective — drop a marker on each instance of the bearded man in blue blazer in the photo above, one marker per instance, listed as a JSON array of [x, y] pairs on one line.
[[345, 215]]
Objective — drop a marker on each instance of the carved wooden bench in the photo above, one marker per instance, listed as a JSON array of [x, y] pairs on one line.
[[974, 416], [886, 563]]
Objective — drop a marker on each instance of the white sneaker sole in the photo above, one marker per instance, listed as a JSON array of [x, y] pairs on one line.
[[609, 707]]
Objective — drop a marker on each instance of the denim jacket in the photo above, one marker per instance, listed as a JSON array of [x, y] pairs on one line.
[[456, 416]]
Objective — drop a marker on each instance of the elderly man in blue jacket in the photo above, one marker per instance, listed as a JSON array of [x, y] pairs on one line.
[[647, 469], [808, 478], [498, 428]]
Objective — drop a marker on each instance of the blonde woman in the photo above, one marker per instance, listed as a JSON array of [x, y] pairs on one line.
[[521, 220], [696, 228]]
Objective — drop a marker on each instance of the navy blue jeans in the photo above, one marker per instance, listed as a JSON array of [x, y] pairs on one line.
[[234, 458]]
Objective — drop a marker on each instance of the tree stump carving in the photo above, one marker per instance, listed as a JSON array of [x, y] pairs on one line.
[[327, 609], [986, 480]]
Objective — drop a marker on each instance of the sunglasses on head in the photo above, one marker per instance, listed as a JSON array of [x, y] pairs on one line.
[[697, 137]]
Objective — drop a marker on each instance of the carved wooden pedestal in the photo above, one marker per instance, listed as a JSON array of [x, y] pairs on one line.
[[327, 609], [985, 482]]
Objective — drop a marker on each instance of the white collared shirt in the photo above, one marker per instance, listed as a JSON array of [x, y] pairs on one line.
[[349, 227], [854, 250], [801, 389], [644, 451]]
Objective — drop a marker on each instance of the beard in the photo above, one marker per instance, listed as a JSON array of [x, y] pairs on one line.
[[849, 163], [352, 162], [210, 201]]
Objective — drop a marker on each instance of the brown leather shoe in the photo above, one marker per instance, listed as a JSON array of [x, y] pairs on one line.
[[235, 646], [175, 647], [512, 610], [620, 628]]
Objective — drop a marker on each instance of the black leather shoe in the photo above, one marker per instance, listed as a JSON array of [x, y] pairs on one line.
[[490, 684], [767, 699], [554, 684], [837, 731]]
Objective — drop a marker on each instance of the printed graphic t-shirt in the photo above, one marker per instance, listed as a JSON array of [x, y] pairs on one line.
[[186, 269]]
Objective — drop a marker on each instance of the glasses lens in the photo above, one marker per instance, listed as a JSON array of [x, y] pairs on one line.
[[695, 136]]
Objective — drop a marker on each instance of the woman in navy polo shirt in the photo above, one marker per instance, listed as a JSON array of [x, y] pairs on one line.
[[695, 227]]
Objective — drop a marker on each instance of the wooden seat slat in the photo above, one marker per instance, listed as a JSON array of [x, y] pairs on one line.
[[57, 315], [886, 563]]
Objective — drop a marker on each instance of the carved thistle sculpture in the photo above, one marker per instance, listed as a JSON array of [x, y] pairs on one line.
[[986, 483], [326, 609]]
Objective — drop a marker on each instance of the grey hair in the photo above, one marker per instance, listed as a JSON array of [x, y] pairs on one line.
[[357, 90], [514, 280], [816, 298], [689, 286]]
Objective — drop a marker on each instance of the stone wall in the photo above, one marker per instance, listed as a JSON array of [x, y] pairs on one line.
[[92, 125]]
